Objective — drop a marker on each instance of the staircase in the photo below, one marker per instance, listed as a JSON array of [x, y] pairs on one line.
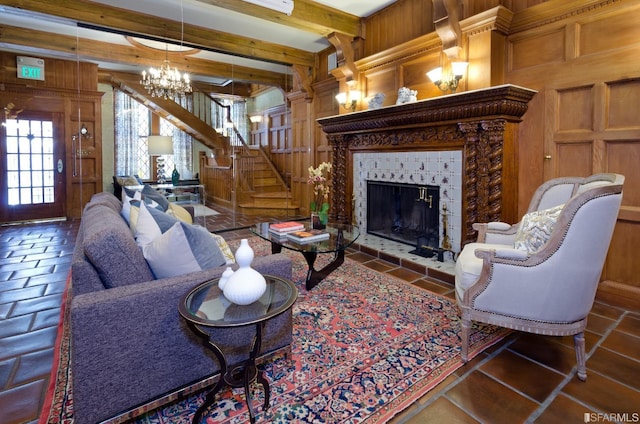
[[264, 192]]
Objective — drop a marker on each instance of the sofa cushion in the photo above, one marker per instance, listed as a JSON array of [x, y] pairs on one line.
[[111, 248], [535, 229], [181, 250]]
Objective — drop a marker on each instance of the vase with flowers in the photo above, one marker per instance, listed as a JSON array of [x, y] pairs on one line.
[[320, 203]]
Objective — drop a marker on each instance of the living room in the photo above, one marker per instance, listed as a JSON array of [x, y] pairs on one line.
[[578, 122]]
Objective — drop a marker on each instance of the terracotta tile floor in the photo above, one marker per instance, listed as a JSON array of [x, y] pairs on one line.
[[524, 378]]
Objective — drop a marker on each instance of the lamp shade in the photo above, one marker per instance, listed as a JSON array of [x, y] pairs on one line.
[[160, 145]]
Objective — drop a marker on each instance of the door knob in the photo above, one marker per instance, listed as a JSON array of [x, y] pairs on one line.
[[547, 157]]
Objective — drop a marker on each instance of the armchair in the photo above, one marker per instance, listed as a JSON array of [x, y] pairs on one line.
[[548, 288]]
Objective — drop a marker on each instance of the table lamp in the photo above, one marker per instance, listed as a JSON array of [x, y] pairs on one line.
[[160, 145]]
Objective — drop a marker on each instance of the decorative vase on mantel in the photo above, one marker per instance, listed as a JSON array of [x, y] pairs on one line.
[[245, 285]]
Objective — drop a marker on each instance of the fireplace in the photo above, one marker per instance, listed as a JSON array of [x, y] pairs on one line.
[[480, 125], [407, 213], [437, 174]]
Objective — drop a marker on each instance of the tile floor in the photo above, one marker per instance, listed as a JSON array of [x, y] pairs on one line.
[[524, 378]]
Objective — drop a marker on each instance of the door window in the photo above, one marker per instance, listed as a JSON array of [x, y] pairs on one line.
[[30, 162]]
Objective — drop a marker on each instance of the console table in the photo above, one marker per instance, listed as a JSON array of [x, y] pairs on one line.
[[187, 193]]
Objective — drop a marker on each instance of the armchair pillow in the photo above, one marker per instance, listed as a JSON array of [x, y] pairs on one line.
[[535, 229]]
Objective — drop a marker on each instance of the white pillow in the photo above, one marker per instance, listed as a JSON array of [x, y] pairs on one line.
[[535, 229], [182, 249], [126, 203], [151, 224]]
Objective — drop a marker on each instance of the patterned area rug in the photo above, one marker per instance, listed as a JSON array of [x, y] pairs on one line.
[[366, 346]]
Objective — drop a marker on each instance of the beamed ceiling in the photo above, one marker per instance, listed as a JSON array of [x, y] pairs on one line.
[[215, 41]]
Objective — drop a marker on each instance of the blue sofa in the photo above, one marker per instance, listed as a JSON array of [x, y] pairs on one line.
[[129, 343]]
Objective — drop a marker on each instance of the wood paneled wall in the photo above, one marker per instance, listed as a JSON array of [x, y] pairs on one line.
[[70, 89], [585, 118], [581, 57]]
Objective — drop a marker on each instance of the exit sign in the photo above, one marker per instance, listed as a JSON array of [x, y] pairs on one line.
[[30, 68]]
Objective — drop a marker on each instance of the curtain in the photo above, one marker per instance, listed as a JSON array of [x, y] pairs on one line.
[[127, 136]]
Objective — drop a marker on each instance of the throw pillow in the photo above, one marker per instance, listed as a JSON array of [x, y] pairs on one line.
[[181, 250], [127, 197], [179, 212], [155, 195], [152, 223], [535, 229], [225, 249]]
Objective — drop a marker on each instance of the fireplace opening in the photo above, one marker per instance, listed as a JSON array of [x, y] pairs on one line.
[[405, 213]]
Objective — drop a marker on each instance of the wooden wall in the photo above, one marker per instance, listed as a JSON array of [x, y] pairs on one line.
[[69, 88], [581, 57], [585, 117]]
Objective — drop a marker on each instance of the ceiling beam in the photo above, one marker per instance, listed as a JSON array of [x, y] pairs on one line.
[[307, 15], [133, 23], [70, 48]]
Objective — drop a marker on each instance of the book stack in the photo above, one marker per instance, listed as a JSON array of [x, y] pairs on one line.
[[307, 236], [281, 229]]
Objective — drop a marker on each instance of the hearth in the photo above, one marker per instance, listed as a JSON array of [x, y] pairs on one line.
[[407, 213]]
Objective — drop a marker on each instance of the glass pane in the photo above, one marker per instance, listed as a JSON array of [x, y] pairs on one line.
[[37, 195], [36, 145], [36, 129], [47, 129], [12, 179], [25, 178], [37, 178], [36, 162], [12, 144], [25, 162], [24, 145], [23, 127], [25, 196], [12, 162], [48, 178], [47, 145], [48, 195], [14, 197], [47, 161], [12, 127]]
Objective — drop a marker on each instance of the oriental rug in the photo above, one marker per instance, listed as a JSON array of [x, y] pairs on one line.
[[366, 346]]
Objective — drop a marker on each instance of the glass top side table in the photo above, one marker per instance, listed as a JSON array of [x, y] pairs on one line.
[[206, 307]]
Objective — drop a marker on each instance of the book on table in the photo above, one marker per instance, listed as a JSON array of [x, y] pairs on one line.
[[285, 227], [308, 236]]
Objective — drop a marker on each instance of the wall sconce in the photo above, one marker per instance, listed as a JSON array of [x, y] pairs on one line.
[[255, 118], [348, 100], [448, 79]]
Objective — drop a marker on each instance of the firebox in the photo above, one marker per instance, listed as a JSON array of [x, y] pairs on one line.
[[406, 213]]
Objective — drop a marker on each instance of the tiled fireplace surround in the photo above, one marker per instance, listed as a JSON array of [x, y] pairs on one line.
[[465, 143], [442, 169]]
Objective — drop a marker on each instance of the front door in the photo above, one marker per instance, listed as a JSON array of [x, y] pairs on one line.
[[33, 173]]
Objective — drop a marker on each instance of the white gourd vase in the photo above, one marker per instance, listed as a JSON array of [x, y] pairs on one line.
[[225, 277], [246, 285]]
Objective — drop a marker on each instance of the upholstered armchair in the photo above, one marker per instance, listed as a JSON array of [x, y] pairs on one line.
[[541, 275]]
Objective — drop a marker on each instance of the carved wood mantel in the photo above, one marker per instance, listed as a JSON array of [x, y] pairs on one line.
[[480, 123]]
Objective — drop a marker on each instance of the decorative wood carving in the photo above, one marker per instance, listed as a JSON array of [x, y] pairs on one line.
[[476, 122]]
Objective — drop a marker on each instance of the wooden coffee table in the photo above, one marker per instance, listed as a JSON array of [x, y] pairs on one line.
[[341, 236]]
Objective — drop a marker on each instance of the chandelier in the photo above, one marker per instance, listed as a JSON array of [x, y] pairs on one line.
[[166, 82]]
